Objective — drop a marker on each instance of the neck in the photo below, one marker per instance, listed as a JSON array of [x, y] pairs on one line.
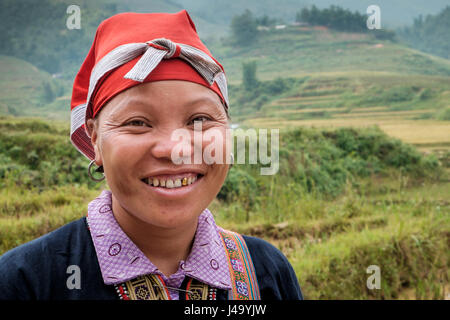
[[164, 247]]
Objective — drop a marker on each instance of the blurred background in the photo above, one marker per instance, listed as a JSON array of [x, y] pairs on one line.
[[364, 119]]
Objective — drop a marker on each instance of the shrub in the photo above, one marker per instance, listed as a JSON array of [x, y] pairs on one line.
[[244, 28], [444, 114], [398, 94], [426, 94], [249, 79], [238, 184]]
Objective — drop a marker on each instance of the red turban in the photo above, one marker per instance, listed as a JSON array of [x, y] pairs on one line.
[[131, 48]]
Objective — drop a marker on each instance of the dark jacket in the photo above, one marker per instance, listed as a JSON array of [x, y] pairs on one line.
[[40, 269]]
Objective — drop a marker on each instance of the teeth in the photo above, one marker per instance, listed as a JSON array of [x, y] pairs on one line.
[[170, 183]]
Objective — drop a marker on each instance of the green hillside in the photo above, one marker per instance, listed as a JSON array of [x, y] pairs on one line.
[[296, 51], [335, 72], [357, 93], [324, 78], [27, 91], [37, 32]]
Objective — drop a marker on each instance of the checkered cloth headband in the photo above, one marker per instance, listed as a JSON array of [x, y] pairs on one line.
[[152, 53]]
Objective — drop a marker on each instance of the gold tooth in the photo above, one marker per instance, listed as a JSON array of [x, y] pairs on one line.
[[163, 183]]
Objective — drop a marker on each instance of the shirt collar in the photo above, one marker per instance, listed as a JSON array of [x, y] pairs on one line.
[[121, 260]]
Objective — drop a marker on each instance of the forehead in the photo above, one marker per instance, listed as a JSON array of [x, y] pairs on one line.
[[170, 96]]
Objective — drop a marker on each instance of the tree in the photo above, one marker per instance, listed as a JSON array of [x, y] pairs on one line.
[[266, 21], [302, 15], [244, 28], [430, 34], [48, 94], [333, 17], [249, 75]]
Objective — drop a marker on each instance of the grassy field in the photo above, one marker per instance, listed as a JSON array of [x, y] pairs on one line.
[[403, 230]]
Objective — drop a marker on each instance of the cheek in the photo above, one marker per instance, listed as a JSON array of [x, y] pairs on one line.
[[216, 145], [124, 148], [215, 148], [120, 154]]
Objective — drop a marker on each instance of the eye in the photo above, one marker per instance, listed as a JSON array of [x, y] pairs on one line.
[[200, 118], [136, 123]]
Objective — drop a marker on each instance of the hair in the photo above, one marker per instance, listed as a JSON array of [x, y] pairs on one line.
[[226, 111]]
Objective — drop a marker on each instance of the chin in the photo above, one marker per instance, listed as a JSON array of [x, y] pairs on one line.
[[168, 216]]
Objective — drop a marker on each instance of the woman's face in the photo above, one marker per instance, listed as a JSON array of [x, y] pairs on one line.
[[133, 141]]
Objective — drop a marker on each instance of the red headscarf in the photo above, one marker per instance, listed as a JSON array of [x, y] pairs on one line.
[[111, 65]]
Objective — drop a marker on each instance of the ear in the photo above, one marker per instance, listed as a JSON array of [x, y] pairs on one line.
[[92, 129]]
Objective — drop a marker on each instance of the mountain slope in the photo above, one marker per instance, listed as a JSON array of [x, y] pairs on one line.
[[296, 51], [27, 91]]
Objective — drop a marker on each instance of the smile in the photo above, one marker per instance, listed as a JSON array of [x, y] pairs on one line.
[[172, 181]]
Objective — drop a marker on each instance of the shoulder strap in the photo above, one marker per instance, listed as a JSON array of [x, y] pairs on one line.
[[243, 276]]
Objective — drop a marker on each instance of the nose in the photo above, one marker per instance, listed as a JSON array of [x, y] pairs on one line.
[[175, 145]]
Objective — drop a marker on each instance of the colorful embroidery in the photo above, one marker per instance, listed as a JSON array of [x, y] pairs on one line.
[[152, 287], [197, 290], [243, 276], [148, 287]]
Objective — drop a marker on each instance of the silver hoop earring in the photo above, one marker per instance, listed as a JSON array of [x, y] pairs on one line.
[[99, 169]]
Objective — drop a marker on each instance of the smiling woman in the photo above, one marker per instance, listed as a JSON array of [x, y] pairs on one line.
[[151, 236], [133, 124]]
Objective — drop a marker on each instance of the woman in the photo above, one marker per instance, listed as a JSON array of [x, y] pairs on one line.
[[151, 235]]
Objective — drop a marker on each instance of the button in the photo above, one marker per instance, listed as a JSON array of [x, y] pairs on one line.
[[114, 249], [184, 267], [105, 208], [214, 264]]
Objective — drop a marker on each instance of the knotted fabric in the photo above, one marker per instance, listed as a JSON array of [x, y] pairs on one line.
[[132, 48]]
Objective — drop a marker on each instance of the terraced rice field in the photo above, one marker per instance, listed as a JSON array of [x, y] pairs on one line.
[[397, 104]]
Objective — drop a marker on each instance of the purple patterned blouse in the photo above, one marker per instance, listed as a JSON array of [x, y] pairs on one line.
[[121, 260]]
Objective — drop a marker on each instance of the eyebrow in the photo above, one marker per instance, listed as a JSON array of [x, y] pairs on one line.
[[136, 105]]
